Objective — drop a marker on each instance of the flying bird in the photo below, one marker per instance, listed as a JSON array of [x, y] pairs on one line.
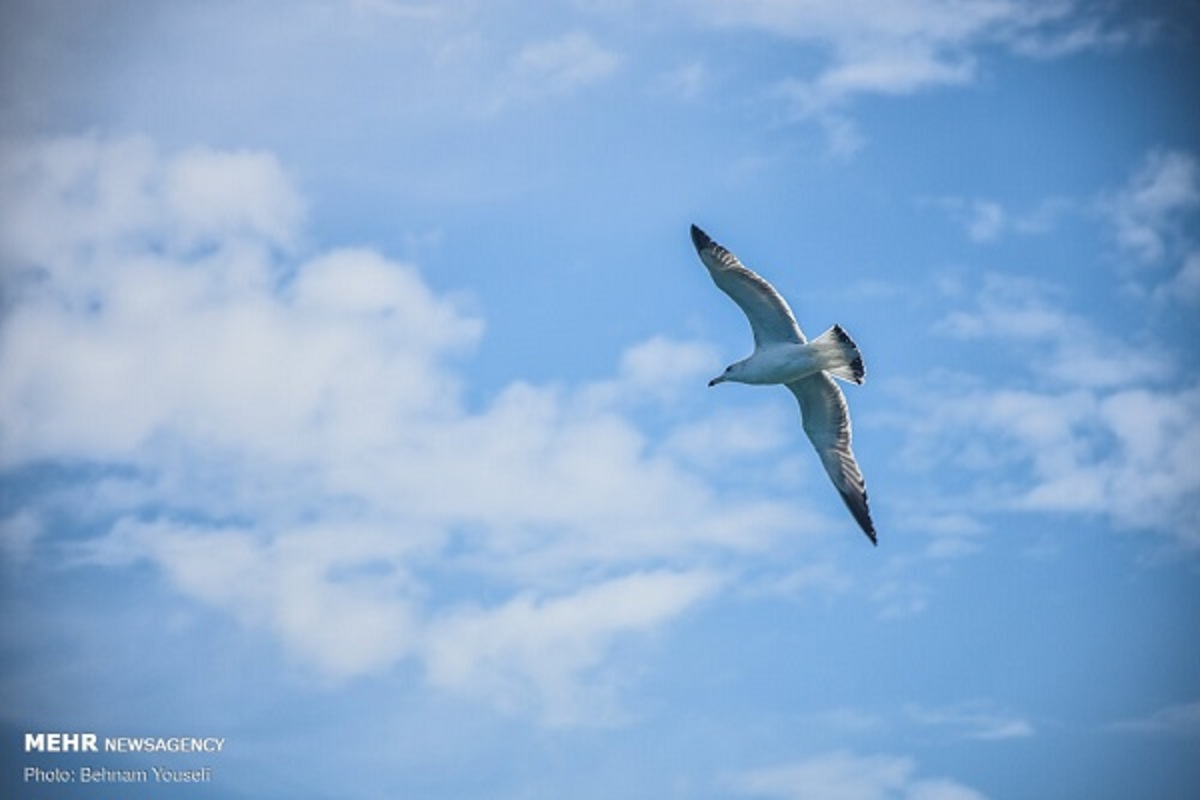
[[782, 355]]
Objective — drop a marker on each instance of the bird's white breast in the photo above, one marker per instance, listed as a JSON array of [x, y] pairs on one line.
[[781, 363]]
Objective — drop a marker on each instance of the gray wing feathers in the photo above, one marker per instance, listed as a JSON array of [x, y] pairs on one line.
[[827, 423], [770, 318]]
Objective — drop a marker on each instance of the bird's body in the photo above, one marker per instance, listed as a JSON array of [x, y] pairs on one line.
[[782, 355], [779, 364], [784, 362]]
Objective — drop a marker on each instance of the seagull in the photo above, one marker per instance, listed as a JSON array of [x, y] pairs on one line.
[[782, 355]]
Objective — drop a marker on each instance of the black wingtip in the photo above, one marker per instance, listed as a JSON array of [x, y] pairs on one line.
[[861, 512], [868, 526], [700, 239]]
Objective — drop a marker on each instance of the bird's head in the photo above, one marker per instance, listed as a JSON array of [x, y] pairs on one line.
[[729, 374]]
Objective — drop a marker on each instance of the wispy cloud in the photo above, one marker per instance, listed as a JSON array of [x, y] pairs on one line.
[[978, 720], [397, 9], [1184, 287], [844, 775], [18, 534], [1080, 34], [1153, 218], [909, 46], [985, 220], [1063, 347], [685, 82], [532, 651], [1147, 211], [554, 67], [1176, 720]]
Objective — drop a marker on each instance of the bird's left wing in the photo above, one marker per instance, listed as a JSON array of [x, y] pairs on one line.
[[827, 423], [771, 320]]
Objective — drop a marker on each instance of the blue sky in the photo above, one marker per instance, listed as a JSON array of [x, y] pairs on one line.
[[353, 404]]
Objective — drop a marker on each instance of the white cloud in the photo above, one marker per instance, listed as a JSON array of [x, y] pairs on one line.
[[847, 776], [209, 351], [952, 534], [824, 576], [942, 789], [728, 434], [337, 596], [686, 82], [531, 650], [554, 68], [1147, 210], [120, 195], [566, 63], [348, 599], [1185, 286], [1061, 346], [214, 195], [1124, 454], [1086, 423], [1182, 719], [985, 220], [397, 9], [901, 71], [899, 597], [907, 46], [18, 535], [978, 720], [1153, 217], [1150, 218], [283, 436], [1082, 34], [847, 720], [663, 367]]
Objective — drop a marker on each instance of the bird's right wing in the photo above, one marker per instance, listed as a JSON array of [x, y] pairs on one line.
[[827, 423], [771, 321]]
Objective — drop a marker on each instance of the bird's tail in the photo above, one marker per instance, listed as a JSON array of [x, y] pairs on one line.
[[838, 355]]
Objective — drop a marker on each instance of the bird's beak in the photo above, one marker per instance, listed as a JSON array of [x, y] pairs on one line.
[[716, 380]]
